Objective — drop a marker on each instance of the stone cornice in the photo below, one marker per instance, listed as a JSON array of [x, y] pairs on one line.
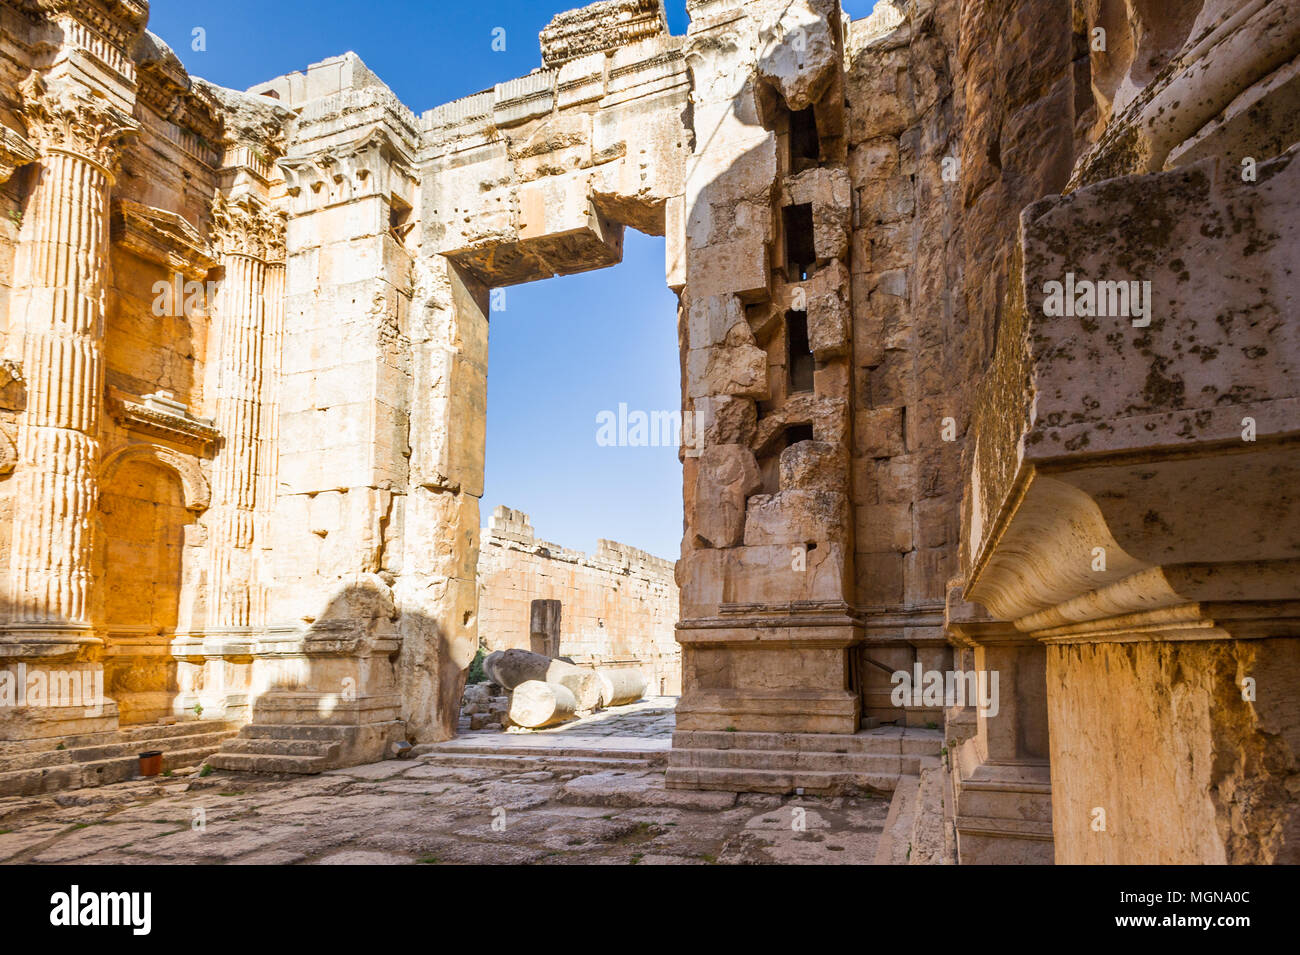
[[375, 163], [321, 120], [600, 27], [165, 88], [1135, 464], [63, 116], [166, 238], [161, 416], [121, 21]]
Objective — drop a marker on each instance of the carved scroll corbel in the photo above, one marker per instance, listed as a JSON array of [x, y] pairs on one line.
[[15, 151]]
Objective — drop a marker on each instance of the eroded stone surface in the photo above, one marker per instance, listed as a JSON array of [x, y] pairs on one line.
[[416, 813]]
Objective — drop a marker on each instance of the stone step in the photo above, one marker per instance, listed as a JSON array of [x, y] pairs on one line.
[[327, 749], [872, 764], [306, 747], [811, 782], [910, 742], [114, 750], [151, 732], [654, 757], [269, 763], [535, 761], [296, 731], [76, 775]]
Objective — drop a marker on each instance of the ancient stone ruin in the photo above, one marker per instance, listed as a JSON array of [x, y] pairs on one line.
[[988, 330], [614, 609]]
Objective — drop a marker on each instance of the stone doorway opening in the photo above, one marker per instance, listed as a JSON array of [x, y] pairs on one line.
[[583, 438]]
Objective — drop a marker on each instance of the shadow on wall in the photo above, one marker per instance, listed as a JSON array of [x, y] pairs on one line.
[[340, 670]]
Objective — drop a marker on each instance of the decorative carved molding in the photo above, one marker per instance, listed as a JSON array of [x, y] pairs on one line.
[[120, 21], [373, 164], [247, 226], [166, 238], [194, 485], [276, 244], [15, 151], [8, 453], [161, 415], [62, 115], [13, 389], [599, 27]]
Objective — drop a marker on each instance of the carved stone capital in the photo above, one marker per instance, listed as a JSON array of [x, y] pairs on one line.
[[247, 226], [62, 115]]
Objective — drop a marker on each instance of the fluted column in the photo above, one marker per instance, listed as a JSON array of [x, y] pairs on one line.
[[269, 430], [60, 303], [242, 232]]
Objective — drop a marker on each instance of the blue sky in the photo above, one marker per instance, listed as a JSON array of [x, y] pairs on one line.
[[563, 350]]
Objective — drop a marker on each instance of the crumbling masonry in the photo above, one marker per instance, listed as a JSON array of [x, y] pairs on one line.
[[245, 365], [614, 609]]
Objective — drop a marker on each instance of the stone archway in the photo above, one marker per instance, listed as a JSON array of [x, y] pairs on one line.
[[148, 496]]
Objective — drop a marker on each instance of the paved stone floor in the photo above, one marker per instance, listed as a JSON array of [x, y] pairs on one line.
[[645, 726], [412, 811], [424, 811]]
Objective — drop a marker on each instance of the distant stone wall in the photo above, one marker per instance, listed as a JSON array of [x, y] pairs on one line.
[[619, 605]]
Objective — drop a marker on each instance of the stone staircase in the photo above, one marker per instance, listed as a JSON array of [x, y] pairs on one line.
[[497, 752], [73, 762], [304, 748], [815, 763]]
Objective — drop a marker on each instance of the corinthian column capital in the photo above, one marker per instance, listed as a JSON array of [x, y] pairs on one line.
[[62, 115], [247, 226], [275, 245]]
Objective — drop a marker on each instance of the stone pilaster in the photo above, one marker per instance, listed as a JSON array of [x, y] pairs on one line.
[[1001, 780], [767, 563], [60, 303], [269, 426], [244, 230]]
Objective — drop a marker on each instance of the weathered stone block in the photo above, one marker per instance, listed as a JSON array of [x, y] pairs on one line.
[[727, 475]]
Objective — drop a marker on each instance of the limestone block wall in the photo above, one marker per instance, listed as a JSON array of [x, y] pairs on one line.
[[618, 605], [111, 158], [910, 340], [766, 343]]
